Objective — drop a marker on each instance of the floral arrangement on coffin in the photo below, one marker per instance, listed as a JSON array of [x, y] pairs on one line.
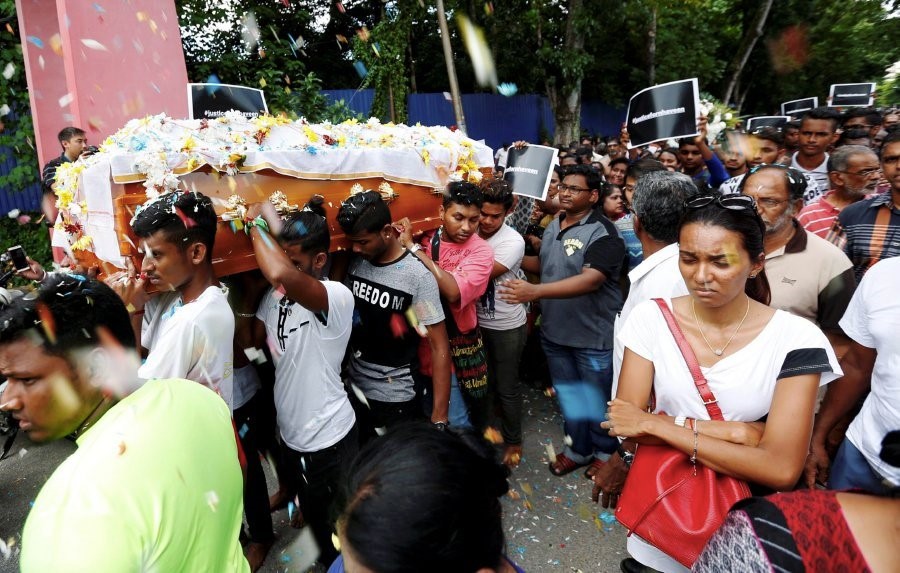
[[719, 117], [159, 149]]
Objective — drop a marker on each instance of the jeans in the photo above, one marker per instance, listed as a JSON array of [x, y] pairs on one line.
[[851, 470], [504, 351], [323, 473], [582, 378], [256, 494], [459, 407]]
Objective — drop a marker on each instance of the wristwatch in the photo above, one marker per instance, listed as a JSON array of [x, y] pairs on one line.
[[414, 248], [626, 456]]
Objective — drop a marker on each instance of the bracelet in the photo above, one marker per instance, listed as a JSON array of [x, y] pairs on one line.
[[696, 439], [680, 420], [414, 248], [259, 222], [245, 314]]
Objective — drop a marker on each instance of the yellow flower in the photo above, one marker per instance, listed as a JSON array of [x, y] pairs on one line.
[[84, 243], [192, 163], [426, 157], [189, 144], [311, 135]]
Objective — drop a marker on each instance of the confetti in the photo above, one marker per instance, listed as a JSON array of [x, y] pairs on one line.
[[93, 44], [66, 100], [360, 69], [212, 500], [479, 52], [56, 44], [508, 89], [250, 30], [493, 436], [36, 41], [551, 452], [9, 70]]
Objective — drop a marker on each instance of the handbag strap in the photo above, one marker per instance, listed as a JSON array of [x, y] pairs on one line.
[[709, 400]]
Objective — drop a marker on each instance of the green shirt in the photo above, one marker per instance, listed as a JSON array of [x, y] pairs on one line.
[[155, 485]]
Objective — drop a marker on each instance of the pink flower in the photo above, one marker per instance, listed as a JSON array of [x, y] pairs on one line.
[[23, 219]]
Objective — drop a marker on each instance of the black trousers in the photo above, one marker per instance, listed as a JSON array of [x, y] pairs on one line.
[[323, 473], [250, 423]]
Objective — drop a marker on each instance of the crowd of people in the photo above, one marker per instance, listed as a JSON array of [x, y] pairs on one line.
[[717, 310]]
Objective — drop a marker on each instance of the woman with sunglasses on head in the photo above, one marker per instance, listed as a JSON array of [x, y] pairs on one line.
[[762, 367]]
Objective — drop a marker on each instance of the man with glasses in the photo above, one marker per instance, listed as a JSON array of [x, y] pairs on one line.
[[854, 172], [871, 227], [807, 275], [579, 262], [862, 118]]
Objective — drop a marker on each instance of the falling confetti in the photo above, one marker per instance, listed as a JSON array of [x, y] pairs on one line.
[[360, 69], [36, 41], [56, 44], [250, 30], [212, 500], [93, 45], [9, 70], [508, 89], [479, 52]]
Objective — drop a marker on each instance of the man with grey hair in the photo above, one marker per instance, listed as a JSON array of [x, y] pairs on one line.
[[808, 276], [658, 205], [853, 171]]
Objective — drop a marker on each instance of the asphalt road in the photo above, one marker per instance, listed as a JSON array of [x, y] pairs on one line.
[[551, 523]]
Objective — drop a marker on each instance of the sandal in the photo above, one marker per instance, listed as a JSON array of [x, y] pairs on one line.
[[563, 465], [593, 468]]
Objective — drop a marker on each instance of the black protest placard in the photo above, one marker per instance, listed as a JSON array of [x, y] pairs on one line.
[[528, 169], [851, 95], [663, 112], [210, 101], [763, 121], [798, 106]]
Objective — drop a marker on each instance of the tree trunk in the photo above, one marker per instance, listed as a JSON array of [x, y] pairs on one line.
[[565, 99], [753, 33], [651, 48]]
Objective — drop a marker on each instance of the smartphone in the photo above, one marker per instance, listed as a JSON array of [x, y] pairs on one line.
[[17, 255]]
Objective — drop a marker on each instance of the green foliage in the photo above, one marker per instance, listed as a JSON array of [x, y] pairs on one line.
[[33, 236], [384, 55], [17, 133]]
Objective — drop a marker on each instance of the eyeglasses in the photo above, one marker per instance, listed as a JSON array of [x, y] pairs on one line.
[[571, 188], [767, 203], [730, 202], [863, 172]]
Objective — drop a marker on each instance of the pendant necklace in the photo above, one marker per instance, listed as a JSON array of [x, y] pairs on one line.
[[718, 351]]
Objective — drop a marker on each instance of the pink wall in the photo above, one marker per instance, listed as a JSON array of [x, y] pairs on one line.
[[121, 59]]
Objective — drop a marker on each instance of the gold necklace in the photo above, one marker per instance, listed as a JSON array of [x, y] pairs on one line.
[[718, 351]]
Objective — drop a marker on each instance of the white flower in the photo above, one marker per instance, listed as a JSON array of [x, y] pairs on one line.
[[13, 214]]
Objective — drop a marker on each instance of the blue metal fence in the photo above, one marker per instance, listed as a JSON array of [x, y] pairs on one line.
[[494, 118], [28, 199]]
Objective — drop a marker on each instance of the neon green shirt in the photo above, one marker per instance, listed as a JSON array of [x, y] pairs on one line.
[[155, 485]]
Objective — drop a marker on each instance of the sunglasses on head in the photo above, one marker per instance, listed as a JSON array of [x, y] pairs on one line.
[[731, 202]]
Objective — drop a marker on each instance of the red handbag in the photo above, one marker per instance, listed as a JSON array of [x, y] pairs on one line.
[[669, 502]]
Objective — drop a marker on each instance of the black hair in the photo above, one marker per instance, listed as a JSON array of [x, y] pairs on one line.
[[560, 170], [621, 159], [364, 212], [497, 192], [643, 166], [463, 193], [823, 113], [793, 124], [606, 190], [65, 315], [872, 116], [68, 133], [308, 228], [687, 141], [671, 150], [851, 135], [584, 154], [749, 225], [769, 133], [892, 136], [591, 175], [796, 181], [437, 496], [184, 217]]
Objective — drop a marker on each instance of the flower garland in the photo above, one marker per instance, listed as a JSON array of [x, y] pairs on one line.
[[67, 178]]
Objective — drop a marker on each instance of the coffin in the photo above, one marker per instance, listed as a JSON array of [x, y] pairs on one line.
[[252, 159]]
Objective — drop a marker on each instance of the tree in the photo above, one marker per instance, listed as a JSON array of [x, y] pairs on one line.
[[16, 129]]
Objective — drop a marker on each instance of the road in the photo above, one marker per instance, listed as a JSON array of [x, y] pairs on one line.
[[551, 523]]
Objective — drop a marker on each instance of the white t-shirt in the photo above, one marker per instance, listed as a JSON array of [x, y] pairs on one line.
[[658, 276], [819, 175], [743, 382], [312, 407], [873, 320], [192, 341], [509, 248]]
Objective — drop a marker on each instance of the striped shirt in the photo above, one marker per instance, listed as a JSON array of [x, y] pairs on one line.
[[818, 216], [867, 240]]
